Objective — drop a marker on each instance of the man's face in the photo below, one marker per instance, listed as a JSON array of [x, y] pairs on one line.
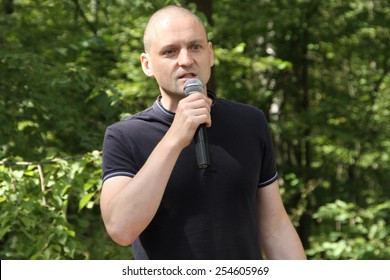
[[178, 51]]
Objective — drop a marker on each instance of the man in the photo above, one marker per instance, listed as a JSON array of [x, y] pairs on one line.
[[156, 198]]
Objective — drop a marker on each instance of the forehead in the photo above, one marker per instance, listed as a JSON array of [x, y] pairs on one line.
[[170, 29]]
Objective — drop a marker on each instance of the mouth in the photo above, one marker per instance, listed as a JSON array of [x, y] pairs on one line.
[[188, 76]]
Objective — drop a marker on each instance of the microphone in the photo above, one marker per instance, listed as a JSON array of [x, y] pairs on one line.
[[201, 144]]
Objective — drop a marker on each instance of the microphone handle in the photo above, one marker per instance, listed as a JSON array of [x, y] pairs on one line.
[[202, 147]]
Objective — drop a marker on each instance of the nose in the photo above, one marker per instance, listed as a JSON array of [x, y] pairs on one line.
[[185, 58]]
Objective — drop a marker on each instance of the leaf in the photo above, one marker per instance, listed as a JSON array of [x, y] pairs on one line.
[[84, 200], [4, 231]]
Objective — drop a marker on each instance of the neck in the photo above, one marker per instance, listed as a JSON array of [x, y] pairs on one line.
[[170, 103]]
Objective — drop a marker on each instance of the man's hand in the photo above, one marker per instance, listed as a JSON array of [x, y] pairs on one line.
[[191, 112]]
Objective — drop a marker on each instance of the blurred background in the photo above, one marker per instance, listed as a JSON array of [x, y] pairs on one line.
[[319, 69]]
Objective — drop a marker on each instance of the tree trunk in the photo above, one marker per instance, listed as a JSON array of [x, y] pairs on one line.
[[8, 6]]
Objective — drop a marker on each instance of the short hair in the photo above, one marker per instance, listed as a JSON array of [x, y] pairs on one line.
[[178, 10]]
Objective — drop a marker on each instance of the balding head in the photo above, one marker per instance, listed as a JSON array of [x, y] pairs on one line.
[[162, 14]]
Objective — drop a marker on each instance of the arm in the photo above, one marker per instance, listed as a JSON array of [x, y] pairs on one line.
[[277, 235], [129, 204]]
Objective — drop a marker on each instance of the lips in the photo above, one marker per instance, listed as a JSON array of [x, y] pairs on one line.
[[188, 76]]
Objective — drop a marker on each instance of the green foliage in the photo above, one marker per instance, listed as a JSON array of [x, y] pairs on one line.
[[50, 210], [360, 233], [318, 69]]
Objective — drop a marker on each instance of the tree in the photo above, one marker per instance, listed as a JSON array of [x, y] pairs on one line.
[[318, 69]]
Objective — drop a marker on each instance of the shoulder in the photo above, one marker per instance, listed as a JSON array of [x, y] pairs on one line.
[[240, 111], [130, 123], [247, 108]]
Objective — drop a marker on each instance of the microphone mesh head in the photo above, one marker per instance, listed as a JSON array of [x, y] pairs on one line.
[[192, 85]]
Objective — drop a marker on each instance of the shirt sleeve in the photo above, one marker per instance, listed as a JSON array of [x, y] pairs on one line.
[[268, 172], [117, 159]]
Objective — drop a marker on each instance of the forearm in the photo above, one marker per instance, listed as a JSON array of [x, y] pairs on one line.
[[283, 242], [127, 213]]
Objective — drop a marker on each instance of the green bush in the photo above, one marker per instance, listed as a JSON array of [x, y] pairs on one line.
[[359, 233], [50, 210]]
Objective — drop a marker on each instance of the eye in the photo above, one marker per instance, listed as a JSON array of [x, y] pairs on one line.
[[169, 52], [196, 46]]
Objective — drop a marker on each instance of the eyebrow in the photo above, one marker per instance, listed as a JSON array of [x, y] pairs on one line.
[[195, 41]]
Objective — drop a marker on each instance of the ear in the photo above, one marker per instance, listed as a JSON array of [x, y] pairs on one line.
[[146, 64], [211, 50]]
